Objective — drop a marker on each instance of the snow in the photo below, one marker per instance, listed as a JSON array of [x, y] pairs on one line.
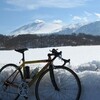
[[85, 61], [77, 54]]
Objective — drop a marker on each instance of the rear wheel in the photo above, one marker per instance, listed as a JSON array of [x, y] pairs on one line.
[[10, 78], [66, 80]]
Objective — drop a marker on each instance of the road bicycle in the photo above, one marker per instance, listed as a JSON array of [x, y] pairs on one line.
[[52, 82]]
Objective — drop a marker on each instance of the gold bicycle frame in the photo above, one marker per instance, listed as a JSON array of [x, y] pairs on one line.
[[47, 61]]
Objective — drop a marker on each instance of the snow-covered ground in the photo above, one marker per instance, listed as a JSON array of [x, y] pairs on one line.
[[85, 61]]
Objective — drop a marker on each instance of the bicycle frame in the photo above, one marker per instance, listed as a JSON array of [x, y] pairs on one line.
[[47, 61]]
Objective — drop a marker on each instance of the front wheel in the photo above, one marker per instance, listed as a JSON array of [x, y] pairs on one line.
[[66, 80]]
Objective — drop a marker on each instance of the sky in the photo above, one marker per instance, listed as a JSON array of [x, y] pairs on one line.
[[16, 13]]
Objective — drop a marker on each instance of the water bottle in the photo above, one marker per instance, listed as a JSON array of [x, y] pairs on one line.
[[34, 72], [27, 72]]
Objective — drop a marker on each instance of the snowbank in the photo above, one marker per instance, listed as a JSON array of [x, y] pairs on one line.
[[90, 81], [85, 61], [89, 74]]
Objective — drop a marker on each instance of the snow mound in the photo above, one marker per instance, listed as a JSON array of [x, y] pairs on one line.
[[90, 66], [89, 75], [90, 81]]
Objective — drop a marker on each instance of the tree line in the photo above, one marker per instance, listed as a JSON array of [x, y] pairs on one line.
[[49, 40]]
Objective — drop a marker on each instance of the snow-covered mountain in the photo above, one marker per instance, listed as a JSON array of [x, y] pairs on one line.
[[41, 27], [69, 29], [38, 27], [91, 28]]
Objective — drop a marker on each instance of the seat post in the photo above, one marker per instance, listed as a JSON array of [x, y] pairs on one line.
[[23, 57], [22, 51]]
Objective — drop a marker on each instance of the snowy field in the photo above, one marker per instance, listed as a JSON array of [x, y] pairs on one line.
[[85, 61]]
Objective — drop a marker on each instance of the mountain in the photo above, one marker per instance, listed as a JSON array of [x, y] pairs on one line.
[[27, 29], [38, 27], [41, 27], [69, 29], [91, 28]]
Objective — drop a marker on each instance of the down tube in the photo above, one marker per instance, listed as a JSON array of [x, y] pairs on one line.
[[38, 74]]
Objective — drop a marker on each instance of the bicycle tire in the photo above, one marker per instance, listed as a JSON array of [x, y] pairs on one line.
[[9, 92], [44, 89]]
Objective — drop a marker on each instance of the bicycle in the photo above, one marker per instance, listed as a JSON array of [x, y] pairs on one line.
[[51, 82]]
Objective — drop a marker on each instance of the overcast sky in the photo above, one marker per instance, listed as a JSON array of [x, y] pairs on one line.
[[15, 13]]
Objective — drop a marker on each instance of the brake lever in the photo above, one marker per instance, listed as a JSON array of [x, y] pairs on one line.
[[66, 61]]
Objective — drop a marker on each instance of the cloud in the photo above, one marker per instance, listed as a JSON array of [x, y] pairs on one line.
[[77, 18], [39, 21], [97, 15], [80, 19], [34, 4], [88, 13], [22, 4], [57, 21]]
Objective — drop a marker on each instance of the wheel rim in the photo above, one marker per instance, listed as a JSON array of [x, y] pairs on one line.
[[66, 82]]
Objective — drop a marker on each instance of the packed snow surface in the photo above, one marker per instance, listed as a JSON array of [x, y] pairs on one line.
[[85, 61]]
